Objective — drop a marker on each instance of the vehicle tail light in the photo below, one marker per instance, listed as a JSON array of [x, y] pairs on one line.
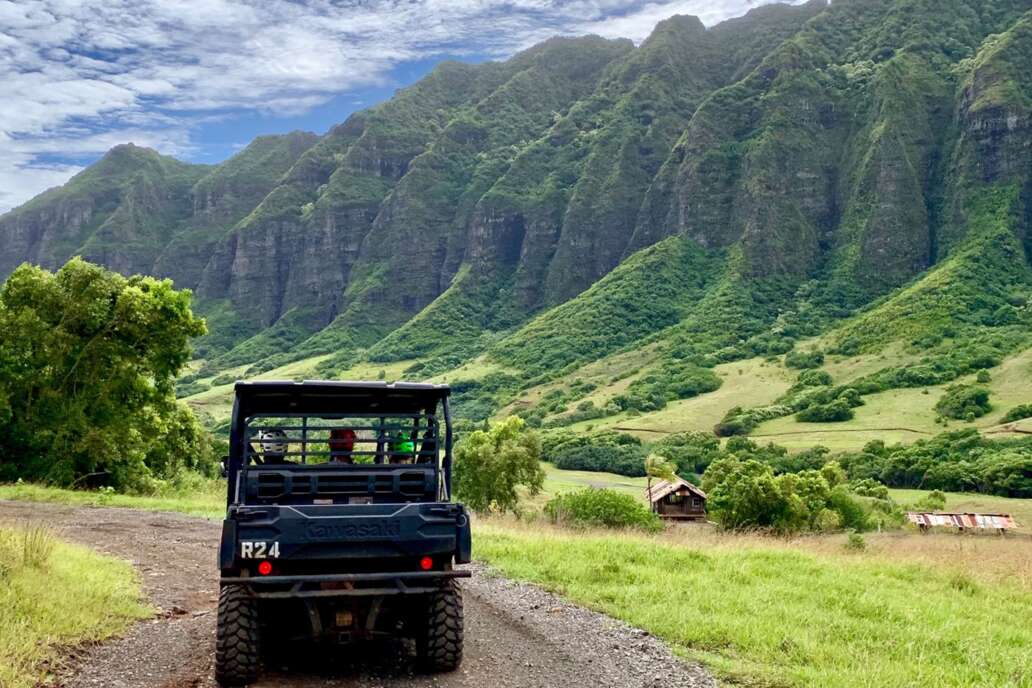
[[265, 568], [426, 563]]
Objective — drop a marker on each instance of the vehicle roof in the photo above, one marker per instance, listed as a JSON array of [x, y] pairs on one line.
[[337, 396]]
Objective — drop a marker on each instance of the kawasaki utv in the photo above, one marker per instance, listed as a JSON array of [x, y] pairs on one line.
[[340, 526]]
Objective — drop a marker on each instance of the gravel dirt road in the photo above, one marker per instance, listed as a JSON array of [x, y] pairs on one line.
[[517, 636]]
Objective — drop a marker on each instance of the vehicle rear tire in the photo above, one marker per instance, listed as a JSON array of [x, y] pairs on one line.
[[237, 638], [440, 647]]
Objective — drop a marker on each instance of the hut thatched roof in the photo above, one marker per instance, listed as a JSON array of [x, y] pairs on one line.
[[663, 488]]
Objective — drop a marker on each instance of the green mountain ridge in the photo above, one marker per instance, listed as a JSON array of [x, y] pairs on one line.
[[861, 170]]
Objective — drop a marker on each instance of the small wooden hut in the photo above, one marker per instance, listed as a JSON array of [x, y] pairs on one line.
[[677, 500]]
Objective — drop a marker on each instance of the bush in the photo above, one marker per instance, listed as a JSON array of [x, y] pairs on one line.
[[739, 421], [800, 359], [691, 452], [673, 380], [855, 542], [623, 460], [866, 487], [933, 501], [187, 389], [834, 412], [610, 452], [1018, 413], [593, 507], [1008, 474], [812, 378], [964, 402]]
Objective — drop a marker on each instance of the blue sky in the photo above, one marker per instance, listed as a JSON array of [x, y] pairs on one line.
[[198, 79]]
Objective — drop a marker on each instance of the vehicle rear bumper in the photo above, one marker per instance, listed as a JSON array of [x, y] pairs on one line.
[[357, 532], [345, 584]]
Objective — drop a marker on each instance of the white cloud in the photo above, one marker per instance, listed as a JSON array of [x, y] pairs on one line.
[[78, 74]]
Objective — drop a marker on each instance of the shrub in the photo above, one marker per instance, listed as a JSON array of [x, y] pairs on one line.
[[933, 501], [866, 487], [955, 461], [623, 460], [855, 542], [834, 412], [964, 402], [673, 380], [691, 452], [608, 451], [601, 508], [739, 421], [188, 389], [1017, 413], [800, 359], [1008, 474], [983, 377], [812, 378]]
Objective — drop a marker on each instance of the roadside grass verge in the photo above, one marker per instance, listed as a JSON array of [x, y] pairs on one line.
[[209, 501], [772, 616], [54, 594]]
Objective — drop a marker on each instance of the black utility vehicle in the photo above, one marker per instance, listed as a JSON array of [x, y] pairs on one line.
[[340, 525]]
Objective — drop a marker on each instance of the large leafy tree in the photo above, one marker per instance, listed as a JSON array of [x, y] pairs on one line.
[[747, 494], [88, 360], [490, 466]]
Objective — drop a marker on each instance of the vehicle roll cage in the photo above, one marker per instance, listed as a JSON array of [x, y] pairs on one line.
[[383, 434], [384, 410]]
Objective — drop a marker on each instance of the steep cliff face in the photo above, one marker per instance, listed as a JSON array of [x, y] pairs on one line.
[[342, 205], [848, 164], [116, 212], [817, 154], [136, 211]]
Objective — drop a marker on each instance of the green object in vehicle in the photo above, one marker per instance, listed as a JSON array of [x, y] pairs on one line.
[[403, 446]]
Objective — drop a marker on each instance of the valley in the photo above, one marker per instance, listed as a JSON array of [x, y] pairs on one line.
[[785, 258]]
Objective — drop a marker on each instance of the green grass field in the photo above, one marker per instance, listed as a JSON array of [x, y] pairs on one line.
[[558, 481], [54, 594], [769, 616], [209, 502]]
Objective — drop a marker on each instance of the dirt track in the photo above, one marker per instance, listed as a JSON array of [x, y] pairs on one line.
[[516, 636]]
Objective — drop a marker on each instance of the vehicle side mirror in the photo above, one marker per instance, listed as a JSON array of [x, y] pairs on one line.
[[224, 467]]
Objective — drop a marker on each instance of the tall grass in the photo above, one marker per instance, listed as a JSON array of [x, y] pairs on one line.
[[763, 613], [37, 545], [54, 594]]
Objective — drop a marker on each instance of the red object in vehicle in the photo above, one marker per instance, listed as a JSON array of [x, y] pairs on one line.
[[342, 444], [265, 568], [426, 563]]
